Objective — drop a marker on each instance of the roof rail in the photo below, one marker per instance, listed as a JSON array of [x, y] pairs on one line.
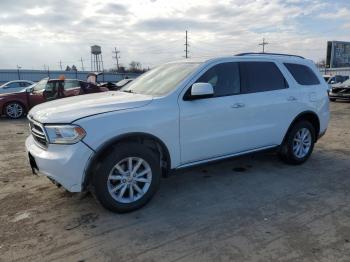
[[277, 54]]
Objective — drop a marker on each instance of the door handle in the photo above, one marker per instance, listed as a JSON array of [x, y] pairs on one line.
[[237, 105], [291, 98]]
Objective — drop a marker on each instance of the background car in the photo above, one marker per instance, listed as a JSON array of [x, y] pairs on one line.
[[15, 86], [337, 79], [340, 91], [16, 105]]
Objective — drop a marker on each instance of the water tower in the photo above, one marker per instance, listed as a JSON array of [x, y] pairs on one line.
[[96, 58]]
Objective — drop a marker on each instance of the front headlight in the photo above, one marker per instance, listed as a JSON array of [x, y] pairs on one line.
[[64, 134]]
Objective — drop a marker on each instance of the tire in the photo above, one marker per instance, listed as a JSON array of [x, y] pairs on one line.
[[332, 99], [113, 174], [289, 152], [14, 110]]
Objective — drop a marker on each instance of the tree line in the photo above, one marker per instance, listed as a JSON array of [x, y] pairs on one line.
[[134, 67]]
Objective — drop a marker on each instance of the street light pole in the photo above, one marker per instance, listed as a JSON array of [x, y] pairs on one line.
[[18, 74]]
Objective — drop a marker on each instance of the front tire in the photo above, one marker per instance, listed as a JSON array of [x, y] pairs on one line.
[[14, 110], [127, 178], [298, 144], [332, 99]]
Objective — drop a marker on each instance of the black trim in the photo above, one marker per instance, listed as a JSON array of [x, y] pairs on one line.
[[276, 54], [189, 97], [296, 118]]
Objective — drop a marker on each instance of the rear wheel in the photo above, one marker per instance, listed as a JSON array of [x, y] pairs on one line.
[[14, 110], [299, 143], [127, 178]]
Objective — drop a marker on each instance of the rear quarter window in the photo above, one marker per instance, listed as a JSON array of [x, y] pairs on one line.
[[302, 74]]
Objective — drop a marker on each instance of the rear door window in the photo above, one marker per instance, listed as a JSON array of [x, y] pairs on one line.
[[302, 74], [261, 77]]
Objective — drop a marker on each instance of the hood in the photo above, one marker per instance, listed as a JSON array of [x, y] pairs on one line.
[[69, 109]]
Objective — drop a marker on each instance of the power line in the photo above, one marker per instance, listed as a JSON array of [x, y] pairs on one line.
[[263, 45], [186, 47]]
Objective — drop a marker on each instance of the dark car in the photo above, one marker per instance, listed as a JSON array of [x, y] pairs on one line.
[[340, 91], [16, 105]]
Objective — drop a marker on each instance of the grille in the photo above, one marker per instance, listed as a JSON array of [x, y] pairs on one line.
[[38, 133], [339, 90]]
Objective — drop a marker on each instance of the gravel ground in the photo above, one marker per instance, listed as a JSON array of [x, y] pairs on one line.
[[253, 208]]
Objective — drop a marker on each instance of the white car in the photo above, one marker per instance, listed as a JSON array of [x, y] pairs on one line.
[[178, 115], [15, 86]]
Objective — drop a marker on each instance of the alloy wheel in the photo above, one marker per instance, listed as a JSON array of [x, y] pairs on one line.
[[129, 180], [14, 110], [302, 143]]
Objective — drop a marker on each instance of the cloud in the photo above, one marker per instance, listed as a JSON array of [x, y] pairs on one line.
[[338, 14], [37, 32]]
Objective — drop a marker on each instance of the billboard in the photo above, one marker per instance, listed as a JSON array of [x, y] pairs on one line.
[[338, 54]]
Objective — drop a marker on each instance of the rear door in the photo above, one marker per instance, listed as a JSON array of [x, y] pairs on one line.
[[270, 102]]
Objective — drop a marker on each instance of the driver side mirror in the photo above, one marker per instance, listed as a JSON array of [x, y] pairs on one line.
[[29, 89], [201, 90], [332, 82]]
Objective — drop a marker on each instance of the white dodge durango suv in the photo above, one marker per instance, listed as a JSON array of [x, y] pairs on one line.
[[118, 144]]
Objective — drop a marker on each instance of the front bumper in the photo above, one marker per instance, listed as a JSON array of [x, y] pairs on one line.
[[64, 164], [339, 95]]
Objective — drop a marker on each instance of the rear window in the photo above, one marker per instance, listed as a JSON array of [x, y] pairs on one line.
[[261, 77], [302, 74]]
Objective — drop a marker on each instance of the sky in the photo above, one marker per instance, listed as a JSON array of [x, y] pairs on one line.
[[40, 33]]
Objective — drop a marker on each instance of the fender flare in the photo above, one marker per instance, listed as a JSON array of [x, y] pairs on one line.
[[109, 143]]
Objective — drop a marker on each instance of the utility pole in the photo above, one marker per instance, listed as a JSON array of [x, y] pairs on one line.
[[61, 65], [18, 68], [186, 46], [116, 52], [82, 64], [263, 45]]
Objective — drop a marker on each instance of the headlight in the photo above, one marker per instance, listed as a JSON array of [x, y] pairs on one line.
[[64, 134]]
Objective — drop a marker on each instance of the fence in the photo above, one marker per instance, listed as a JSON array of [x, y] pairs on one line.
[[36, 75], [335, 71]]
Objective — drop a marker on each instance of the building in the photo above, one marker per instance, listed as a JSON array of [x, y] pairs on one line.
[[338, 54]]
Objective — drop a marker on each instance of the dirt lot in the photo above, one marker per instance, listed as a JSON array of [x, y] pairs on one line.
[[254, 208]]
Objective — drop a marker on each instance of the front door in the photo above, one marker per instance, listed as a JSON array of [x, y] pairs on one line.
[[213, 127], [36, 96]]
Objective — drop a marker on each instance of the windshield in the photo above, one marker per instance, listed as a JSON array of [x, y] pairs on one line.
[[41, 84], [123, 82], [28, 88], [161, 80]]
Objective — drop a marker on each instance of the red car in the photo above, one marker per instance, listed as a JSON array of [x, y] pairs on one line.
[[16, 105]]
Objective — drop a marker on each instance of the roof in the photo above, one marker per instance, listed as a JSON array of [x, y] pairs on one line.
[[247, 56]]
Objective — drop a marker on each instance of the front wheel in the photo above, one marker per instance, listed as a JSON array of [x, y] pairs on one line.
[[332, 99], [14, 110], [299, 143], [127, 178]]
